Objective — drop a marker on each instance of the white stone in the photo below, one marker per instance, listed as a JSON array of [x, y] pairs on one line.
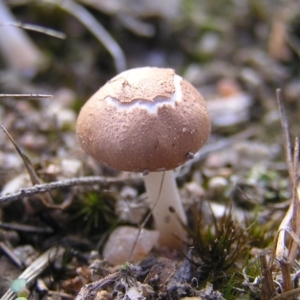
[[120, 243]]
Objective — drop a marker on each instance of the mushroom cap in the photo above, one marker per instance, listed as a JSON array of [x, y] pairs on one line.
[[144, 119]]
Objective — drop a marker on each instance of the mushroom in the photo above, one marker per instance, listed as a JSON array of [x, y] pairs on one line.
[[148, 120]]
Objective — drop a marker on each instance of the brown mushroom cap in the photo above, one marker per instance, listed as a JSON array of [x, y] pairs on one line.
[[144, 119]]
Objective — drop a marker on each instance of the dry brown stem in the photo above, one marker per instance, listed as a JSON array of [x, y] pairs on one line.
[[268, 287], [291, 222]]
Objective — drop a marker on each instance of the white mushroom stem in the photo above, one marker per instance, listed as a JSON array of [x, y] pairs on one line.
[[18, 51], [167, 208]]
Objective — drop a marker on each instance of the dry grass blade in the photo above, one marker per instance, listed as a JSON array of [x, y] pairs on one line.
[[292, 214], [96, 29], [36, 268], [291, 222], [292, 234], [280, 237], [33, 176], [7, 249], [25, 96], [46, 199], [37, 28], [295, 201], [286, 132]]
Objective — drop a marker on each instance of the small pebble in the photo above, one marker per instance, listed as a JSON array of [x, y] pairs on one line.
[[103, 295], [118, 248], [217, 185]]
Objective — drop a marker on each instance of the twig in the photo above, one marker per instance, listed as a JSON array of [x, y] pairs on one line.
[[126, 273], [25, 228], [91, 288], [87, 19], [43, 188]]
